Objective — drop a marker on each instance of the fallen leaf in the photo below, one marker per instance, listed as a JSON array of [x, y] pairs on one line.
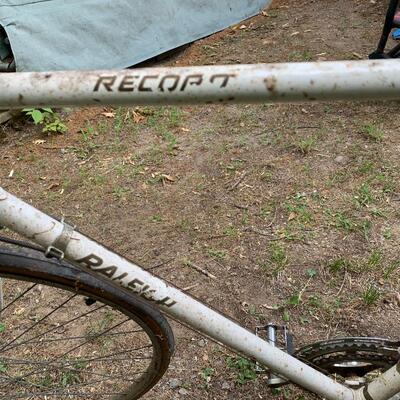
[[19, 311], [169, 178], [11, 174], [138, 117], [108, 114], [53, 186], [292, 216]]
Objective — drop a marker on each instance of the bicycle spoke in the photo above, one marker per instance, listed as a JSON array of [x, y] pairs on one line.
[[38, 322], [67, 339], [53, 329], [66, 369], [19, 297], [11, 361], [78, 394], [60, 391], [99, 336], [23, 377]]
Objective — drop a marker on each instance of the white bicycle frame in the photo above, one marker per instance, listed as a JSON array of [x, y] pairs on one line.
[[246, 83]]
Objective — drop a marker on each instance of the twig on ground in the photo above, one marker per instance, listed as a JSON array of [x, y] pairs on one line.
[[162, 264], [258, 231], [240, 207], [238, 182], [215, 236], [186, 289], [199, 269], [273, 219], [342, 286], [263, 233], [86, 161], [273, 308]]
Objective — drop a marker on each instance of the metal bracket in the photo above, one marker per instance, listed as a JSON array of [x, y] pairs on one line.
[[271, 331], [59, 246]]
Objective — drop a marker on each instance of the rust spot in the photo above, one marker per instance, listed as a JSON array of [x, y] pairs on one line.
[[270, 83]]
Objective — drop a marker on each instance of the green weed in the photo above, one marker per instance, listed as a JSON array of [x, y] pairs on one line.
[[371, 295], [299, 207], [220, 254], [230, 231], [156, 218], [245, 370], [339, 265], [391, 269], [306, 145], [277, 260], [47, 118], [364, 195], [3, 367], [120, 192], [387, 234], [343, 221], [372, 132]]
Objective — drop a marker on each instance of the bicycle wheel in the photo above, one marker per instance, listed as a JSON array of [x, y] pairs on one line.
[[69, 334]]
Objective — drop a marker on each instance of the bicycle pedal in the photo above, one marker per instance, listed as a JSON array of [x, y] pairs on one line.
[[277, 336]]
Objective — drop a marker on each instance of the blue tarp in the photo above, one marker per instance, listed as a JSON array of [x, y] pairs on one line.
[[94, 34]]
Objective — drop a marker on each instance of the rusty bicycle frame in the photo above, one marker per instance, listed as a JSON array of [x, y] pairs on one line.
[[346, 80]]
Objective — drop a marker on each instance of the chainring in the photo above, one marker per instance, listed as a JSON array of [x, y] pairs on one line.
[[352, 357]]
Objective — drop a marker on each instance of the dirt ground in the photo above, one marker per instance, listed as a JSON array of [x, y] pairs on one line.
[[293, 208]]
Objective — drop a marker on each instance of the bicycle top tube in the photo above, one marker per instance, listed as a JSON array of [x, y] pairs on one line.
[[260, 83]]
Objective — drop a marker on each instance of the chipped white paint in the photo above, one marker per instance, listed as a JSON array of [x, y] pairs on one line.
[[345, 80], [260, 83]]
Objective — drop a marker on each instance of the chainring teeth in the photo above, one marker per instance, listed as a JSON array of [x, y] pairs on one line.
[[380, 353]]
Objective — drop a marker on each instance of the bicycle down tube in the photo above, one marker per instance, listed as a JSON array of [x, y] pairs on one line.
[[256, 83]]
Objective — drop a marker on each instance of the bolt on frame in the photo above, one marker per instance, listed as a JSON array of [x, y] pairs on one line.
[[245, 83]]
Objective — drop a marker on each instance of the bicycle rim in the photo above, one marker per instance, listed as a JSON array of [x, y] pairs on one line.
[[68, 334]]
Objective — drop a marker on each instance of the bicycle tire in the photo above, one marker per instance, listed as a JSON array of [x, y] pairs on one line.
[[62, 376]]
